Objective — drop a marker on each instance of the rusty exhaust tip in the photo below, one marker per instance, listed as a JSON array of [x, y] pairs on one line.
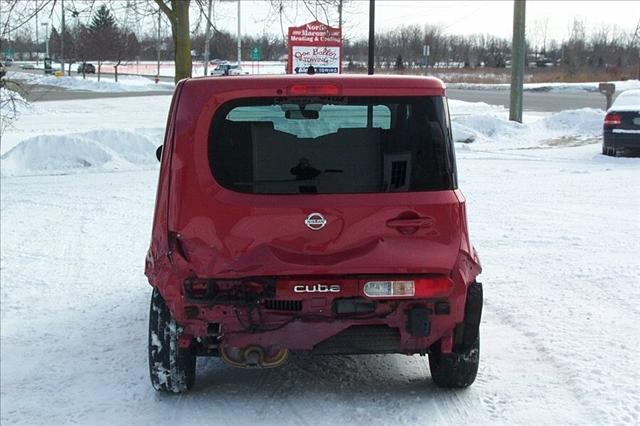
[[253, 356]]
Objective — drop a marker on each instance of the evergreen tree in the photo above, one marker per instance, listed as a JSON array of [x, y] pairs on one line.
[[104, 36]]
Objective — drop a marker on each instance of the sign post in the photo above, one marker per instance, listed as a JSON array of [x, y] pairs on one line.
[[315, 45], [256, 55]]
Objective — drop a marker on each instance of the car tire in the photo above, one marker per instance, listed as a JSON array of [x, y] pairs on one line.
[[459, 368], [171, 368], [455, 370]]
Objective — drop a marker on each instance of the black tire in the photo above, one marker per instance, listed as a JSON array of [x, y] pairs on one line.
[[459, 368], [171, 368], [455, 370]]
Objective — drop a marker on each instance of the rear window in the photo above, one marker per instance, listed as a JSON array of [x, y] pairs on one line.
[[332, 145]]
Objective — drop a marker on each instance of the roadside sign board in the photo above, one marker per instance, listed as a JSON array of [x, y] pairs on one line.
[[9, 52], [256, 55], [315, 44]]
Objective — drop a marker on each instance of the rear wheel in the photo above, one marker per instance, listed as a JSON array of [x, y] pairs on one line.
[[459, 368], [172, 369], [455, 370]]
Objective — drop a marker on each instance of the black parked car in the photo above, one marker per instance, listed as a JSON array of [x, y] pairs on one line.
[[622, 124], [88, 68]]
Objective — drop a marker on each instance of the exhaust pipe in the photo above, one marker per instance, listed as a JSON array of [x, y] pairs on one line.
[[253, 357]]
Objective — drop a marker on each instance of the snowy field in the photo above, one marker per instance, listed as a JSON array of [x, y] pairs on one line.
[[125, 83], [555, 223], [548, 87]]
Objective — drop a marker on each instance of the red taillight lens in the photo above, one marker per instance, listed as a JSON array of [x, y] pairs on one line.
[[315, 90], [433, 287], [612, 119]]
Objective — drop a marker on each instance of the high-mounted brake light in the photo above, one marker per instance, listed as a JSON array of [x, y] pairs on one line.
[[314, 90], [612, 119], [422, 287]]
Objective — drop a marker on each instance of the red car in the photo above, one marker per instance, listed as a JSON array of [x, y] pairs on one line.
[[316, 214]]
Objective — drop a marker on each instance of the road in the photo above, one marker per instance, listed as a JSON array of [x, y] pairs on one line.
[[533, 101]]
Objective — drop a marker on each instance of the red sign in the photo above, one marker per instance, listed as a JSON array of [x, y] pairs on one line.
[[315, 44]]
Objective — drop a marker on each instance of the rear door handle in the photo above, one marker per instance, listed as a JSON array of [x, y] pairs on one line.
[[420, 222]]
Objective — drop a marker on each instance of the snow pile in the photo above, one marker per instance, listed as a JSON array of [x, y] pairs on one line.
[[566, 127], [98, 150], [549, 87], [126, 83]]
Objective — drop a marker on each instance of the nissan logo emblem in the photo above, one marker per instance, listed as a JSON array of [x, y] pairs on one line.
[[315, 221]]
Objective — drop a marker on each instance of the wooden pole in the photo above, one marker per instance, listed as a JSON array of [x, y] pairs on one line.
[[518, 56]]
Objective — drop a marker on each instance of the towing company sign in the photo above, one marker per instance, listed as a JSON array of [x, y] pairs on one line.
[[315, 44]]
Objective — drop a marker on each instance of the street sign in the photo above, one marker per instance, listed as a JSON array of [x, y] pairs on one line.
[[9, 52], [256, 55]]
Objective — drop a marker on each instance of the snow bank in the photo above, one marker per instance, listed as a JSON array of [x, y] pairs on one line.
[[126, 83], [566, 127], [99, 150], [549, 87]]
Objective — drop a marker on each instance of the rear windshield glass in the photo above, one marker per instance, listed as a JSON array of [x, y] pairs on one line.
[[332, 145]]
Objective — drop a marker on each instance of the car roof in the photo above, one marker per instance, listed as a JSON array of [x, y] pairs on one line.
[[629, 100], [355, 84]]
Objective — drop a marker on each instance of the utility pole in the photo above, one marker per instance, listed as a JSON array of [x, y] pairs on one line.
[[372, 35], [62, 39], [46, 38], [239, 35], [340, 14], [159, 21], [207, 38], [518, 56], [37, 39], [425, 52]]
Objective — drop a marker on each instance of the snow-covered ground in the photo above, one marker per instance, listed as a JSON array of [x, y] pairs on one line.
[[555, 223], [167, 68], [125, 83], [549, 87]]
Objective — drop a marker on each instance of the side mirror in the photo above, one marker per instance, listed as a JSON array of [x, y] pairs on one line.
[[159, 153]]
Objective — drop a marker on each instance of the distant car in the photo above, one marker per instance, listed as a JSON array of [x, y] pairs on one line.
[[8, 62], [621, 128], [3, 70], [227, 69], [88, 68]]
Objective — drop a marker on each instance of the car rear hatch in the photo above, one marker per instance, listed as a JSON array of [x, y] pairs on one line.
[[282, 177]]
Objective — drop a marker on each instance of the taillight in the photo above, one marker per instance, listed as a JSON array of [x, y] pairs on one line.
[[420, 287], [612, 119], [390, 288], [314, 89]]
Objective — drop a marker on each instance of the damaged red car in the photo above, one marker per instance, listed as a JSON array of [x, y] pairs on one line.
[[314, 214]]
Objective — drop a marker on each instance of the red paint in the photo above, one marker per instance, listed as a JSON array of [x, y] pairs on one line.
[[206, 231]]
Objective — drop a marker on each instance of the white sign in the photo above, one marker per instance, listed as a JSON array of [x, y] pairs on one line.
[[325, 60]]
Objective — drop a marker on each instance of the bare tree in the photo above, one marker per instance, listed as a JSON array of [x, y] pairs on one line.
[[177, 11]]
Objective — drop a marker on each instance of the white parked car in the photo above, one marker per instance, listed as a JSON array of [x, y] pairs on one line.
[[228, 69]]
